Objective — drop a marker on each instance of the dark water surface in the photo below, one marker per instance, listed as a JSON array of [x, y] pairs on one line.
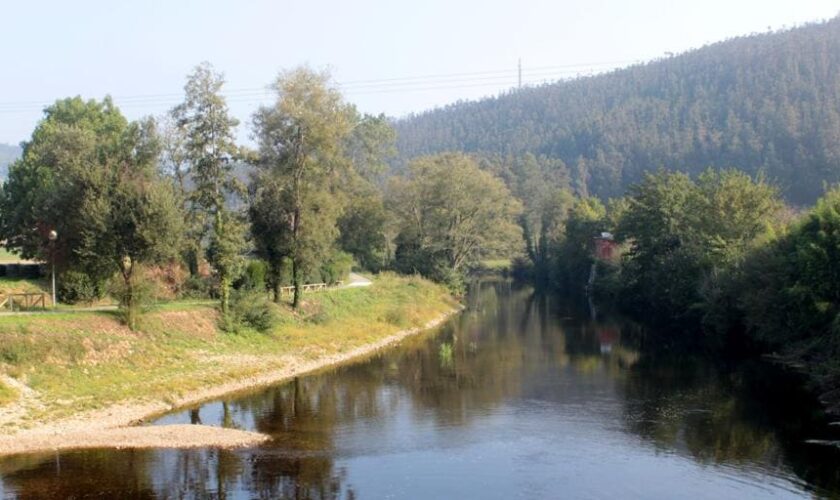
[[522, 396]]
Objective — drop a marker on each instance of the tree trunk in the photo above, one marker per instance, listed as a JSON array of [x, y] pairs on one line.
[[296, 282], [224, 276], [224, 291], [276, 289], [192, 260], [275, 273], [129, 300], [131, 305]]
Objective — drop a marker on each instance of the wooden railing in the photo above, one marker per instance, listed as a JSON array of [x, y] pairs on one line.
[[312, 287], [21, 301]]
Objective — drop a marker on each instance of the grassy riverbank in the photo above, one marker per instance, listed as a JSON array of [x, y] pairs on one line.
[[56, 365]]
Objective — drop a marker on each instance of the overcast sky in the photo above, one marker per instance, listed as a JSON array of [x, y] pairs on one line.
[[140, 51]]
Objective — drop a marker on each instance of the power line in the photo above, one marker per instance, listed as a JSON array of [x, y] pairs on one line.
[[449, 81]]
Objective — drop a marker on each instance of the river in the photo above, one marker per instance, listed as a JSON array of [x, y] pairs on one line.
[[521, 396]]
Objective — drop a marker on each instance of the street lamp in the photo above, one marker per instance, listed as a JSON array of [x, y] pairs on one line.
[[52, 237]]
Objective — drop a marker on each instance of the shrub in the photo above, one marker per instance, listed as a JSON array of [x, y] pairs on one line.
[[168, 280], [197, 287], [336, 268], [254, 277], [395, 317], [133, 300], [74, 287], [252, 310]]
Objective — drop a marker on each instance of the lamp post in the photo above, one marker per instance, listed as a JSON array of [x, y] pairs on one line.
[[53, 236]]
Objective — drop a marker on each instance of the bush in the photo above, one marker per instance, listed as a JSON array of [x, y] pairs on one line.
[[336, 268], [254, 277], [197, 287], [167, 280], [252, 310], [133, 301], [74, 287]]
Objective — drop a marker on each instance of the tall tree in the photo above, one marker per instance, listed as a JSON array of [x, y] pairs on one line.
[[211, 151], [364, 221], [451, 213], [175, 165], [134, 219], [683, 231], [91, 176], [301, 159], [61, 163]]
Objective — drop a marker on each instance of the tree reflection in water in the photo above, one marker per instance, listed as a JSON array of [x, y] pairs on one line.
[[511, 350]]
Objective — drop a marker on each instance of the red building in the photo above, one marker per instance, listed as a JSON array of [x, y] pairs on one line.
[[605, 247]]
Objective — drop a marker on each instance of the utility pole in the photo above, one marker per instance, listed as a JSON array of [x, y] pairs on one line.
[[520, 72]]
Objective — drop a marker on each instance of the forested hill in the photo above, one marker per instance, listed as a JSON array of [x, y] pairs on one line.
[[762, 103], [8, 154]]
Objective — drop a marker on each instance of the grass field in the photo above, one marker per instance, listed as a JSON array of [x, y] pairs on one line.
[[22, 285], [75, 361], [7, 256]]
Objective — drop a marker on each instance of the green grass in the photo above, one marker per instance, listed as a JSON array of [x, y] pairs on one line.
[[7, 256], [22, 285], [83, 360], [7, 394]]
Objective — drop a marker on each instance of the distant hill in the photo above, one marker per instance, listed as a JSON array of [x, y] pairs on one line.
[[8, 154], [762, 103]]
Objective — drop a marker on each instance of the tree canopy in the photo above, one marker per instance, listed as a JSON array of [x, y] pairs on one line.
[[301, 158], [450, 213]]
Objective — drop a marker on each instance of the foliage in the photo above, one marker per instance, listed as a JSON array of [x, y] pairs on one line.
[[136, 222], [336, 268], [789, 290], [75, 287], [91, 176], [8, 154], [300, 161], [682, 234], [175, 166], [450, 213], [67, 160], [369, 145], [250, 309], [198, 287], [209, 148], [134, 295], [362, 229], [254, 276], [364, 223]]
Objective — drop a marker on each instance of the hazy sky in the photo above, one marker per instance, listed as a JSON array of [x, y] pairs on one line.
[[140, 51]]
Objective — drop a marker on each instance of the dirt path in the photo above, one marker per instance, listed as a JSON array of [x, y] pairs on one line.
[[357, 280], [116, 426]]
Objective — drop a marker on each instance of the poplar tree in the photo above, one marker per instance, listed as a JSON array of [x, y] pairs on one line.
[[211, 151], [301, 160]]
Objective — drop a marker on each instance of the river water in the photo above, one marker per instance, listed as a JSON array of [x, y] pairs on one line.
[[521, 396]]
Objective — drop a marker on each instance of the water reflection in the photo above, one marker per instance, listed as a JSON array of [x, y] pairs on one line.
[[524, 395]]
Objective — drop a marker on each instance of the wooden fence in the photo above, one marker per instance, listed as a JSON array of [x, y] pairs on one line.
[[22, 301], [312, 287]]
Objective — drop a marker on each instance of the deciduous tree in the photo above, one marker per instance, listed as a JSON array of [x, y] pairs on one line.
[[211, 150]]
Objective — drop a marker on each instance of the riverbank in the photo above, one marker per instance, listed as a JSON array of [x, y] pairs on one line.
[[74, 375]]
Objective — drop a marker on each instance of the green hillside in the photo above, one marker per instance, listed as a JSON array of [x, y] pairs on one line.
[[762, 103]]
